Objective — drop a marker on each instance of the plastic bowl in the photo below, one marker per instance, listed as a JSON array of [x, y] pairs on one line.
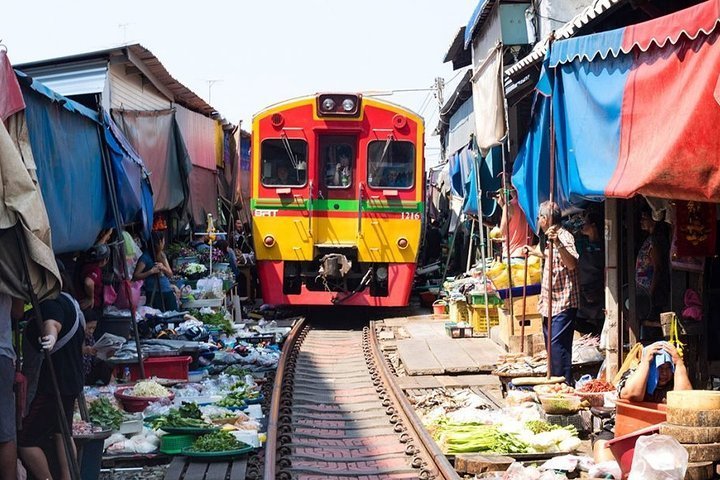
[[560, 404], [595, 399], [134, 404]]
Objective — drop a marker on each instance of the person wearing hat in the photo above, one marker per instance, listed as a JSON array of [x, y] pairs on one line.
[[661, 370], [90, 289]]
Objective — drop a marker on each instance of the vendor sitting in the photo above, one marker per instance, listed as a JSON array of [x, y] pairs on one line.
[[661, 370]]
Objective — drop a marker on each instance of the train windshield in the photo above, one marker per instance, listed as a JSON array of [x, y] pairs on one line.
[[338, 162], [284, 162], [391, 164]]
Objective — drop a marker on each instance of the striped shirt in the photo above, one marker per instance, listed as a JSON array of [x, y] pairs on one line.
[[565, 283]]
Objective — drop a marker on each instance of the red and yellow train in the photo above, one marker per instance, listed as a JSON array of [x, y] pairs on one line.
[[337, 200]]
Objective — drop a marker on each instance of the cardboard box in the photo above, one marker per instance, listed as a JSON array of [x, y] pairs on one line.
[[531, 305], [512, 326]]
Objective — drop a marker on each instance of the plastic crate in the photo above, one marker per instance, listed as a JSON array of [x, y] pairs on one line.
[[479, 299], [454, 331], [174, 444], [482, 324], [175, 368], [458, 311]]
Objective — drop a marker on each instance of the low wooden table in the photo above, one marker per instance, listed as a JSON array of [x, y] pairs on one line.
[[181, 468]]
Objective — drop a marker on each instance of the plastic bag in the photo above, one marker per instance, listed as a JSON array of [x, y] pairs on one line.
[[497, 273], [582, 381], [603, 469], [658, 457]]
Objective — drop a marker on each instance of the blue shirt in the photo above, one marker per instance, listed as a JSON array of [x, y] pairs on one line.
[[151, 281]]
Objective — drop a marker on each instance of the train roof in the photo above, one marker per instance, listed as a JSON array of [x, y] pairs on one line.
[[365, 96]]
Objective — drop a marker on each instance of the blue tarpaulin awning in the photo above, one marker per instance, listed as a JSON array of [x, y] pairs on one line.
[[67, 150]]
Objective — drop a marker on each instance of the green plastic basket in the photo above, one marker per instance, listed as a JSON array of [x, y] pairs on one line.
[[479, 299], [174, 444]]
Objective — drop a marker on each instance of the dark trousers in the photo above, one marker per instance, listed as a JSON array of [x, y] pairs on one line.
[[561, 344]]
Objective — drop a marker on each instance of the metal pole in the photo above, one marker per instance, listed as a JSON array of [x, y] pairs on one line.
[[524, 307], [506, 195], [62, 420], [482, 237], [109, 178], [470, 247]]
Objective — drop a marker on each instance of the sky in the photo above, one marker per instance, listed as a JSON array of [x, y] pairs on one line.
[[242, 56]]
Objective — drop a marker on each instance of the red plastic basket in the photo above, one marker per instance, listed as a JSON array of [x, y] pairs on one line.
[[134, 404], [175, 368]]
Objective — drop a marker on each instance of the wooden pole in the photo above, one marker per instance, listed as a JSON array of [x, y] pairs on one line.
[[66, 433], [612, 326], [550, 247]]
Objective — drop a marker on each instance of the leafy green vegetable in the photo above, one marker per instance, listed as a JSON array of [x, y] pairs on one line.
[[475, 437], [217, 442], [236, 370], [216, 319], [237, 397], [188, 416], [539, 426], [190, 410], [103, 413]]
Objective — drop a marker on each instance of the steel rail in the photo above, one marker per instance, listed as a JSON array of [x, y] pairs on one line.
[[428, 447], [271, 445]]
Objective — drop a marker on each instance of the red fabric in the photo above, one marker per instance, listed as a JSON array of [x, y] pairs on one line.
[[11, 99], [669, 142], [695, 229], [94, 273], [688, 22]]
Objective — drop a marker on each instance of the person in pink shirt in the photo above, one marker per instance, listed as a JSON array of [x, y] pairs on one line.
[[514, 217]]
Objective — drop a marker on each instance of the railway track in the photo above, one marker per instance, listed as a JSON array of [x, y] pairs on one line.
[[337, 413]]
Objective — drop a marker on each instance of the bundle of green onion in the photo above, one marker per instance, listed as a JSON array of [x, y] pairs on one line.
[[470, 437]]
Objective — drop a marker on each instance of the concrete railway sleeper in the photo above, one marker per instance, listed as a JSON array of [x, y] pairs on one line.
[[337, 413]]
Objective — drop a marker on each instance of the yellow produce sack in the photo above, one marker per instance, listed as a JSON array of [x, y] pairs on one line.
[[497, 273]]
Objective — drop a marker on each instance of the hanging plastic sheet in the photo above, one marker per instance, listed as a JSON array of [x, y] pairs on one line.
[[155, 136], [201, 138], [203, 194], [67, 150], [129, 176], [490, 181], [22, 212]]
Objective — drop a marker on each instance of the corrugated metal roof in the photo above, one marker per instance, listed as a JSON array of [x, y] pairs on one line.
[[78, 78], [595, 11], [478, 17], [457, 53], [134, 53]]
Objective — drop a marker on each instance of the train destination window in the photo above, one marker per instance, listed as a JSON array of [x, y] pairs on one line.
[[338, 163], [391, 164], [284, 162]]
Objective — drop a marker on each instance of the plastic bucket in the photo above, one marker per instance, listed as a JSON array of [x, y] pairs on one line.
[[439, 307], [623, 448]]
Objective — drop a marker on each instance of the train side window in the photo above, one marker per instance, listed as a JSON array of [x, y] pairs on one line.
[[391, 164], [338, 163], [284, 162]]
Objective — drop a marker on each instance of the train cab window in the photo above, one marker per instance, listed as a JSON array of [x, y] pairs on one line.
[[391, 164], [338, 163], [284, 162]]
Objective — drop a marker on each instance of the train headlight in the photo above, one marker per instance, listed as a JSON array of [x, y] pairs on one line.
[[269, 241], [348, 105], [328, 105], [381, 273], [402, 243]]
